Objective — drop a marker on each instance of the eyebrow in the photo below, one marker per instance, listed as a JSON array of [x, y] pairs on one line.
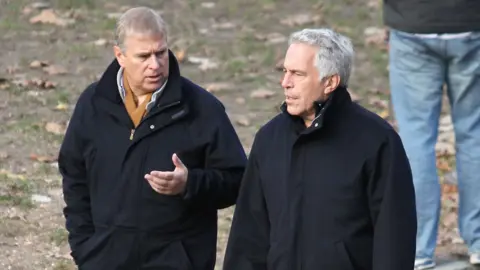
[[296, 71], [146, 53]]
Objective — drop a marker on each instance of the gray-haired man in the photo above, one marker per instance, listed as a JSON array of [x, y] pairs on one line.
[[328, 184], [147, 160]]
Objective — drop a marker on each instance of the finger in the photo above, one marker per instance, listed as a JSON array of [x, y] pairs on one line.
[[177, 162], [162, 175]]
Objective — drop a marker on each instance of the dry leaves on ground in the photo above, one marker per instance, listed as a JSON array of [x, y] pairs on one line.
[[203, 62], [49, 16], [55, 128], [44, 159], [301, 19], [219, 86], [262, 93]]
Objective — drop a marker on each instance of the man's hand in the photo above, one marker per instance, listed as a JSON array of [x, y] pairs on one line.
[[169, 183]]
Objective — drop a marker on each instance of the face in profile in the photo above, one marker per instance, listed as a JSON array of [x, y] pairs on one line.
[[145, 60], [301, 83]]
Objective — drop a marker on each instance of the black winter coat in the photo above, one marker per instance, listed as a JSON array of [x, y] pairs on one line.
[[335, 196], [115, 220]]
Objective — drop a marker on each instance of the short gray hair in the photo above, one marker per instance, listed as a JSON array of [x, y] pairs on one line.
[[139, 20], [335, 52]]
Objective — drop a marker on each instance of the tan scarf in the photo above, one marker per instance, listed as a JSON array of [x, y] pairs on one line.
[[135, 110]]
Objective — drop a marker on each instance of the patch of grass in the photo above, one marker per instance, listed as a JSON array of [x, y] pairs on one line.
[[15, 191], [59, 236], [71, 4], [11, 227], [63, 264]]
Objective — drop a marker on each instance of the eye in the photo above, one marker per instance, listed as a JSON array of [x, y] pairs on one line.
[[160, 53]]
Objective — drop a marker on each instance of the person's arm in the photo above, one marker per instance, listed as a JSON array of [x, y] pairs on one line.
[[392, 207], [72, 168], [249, 239], [217, 184]]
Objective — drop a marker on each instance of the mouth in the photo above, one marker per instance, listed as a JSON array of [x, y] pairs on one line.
[[155, 78]]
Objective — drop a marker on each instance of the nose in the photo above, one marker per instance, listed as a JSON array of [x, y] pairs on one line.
[[154, 62], [286, 81]]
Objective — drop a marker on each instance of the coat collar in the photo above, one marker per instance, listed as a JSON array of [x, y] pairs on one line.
[[107, 85], [324, 111]]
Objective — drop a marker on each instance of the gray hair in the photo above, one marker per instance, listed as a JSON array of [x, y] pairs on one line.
[[139, 20], [335, 52]]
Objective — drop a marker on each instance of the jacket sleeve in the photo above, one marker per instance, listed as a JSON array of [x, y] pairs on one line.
[[392, 207], [249, 238], [217, 183], [72, 168]]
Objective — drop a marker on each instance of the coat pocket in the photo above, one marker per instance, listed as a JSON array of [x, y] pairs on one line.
[[343, 256], [92, 246]]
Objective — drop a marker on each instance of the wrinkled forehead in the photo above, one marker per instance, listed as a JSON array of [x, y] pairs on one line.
[[300, 56], [135, 42]]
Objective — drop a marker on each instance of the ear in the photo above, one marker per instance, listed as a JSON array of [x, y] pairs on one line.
[[117, 51], [331, 83]]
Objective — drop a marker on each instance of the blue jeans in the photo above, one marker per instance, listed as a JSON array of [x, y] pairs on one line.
[[418, 69]]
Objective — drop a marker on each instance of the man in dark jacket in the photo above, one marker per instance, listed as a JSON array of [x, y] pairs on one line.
[[328, 185], [147, 160], [433, 44]]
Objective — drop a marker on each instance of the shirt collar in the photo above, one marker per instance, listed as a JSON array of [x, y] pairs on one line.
[[121, 89]]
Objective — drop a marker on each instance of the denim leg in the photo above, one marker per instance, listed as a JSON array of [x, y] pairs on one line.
[[464, 93], [417, 72]]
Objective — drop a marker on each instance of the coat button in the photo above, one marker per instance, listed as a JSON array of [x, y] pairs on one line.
[[152, 126], [316, 124]]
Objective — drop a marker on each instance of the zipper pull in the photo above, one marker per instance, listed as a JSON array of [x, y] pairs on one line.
[[131, 134]]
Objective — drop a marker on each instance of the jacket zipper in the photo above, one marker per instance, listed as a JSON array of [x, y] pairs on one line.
[[132, 131]]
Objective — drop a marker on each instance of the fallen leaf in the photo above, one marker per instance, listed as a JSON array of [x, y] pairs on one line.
[[100, 42], [55, 128], [27, 10], [40, 198], [240, 101], [4, 85], [377, 102], [243, 121], [55, 70], [180, 55], [40, 5], [4, 155], [384, 114], [38, 64], [223, 26], [48, 16], [218, 86], [208, 5], [46, 159], [204, 63], [262, 93], [114, 15], [61, 106], [272, 38], [35, 82], [300, 19]]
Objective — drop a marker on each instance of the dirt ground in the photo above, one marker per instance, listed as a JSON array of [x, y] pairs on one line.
[[50, 51]]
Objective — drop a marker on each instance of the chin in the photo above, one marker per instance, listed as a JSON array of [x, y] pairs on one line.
[[293, 111]]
